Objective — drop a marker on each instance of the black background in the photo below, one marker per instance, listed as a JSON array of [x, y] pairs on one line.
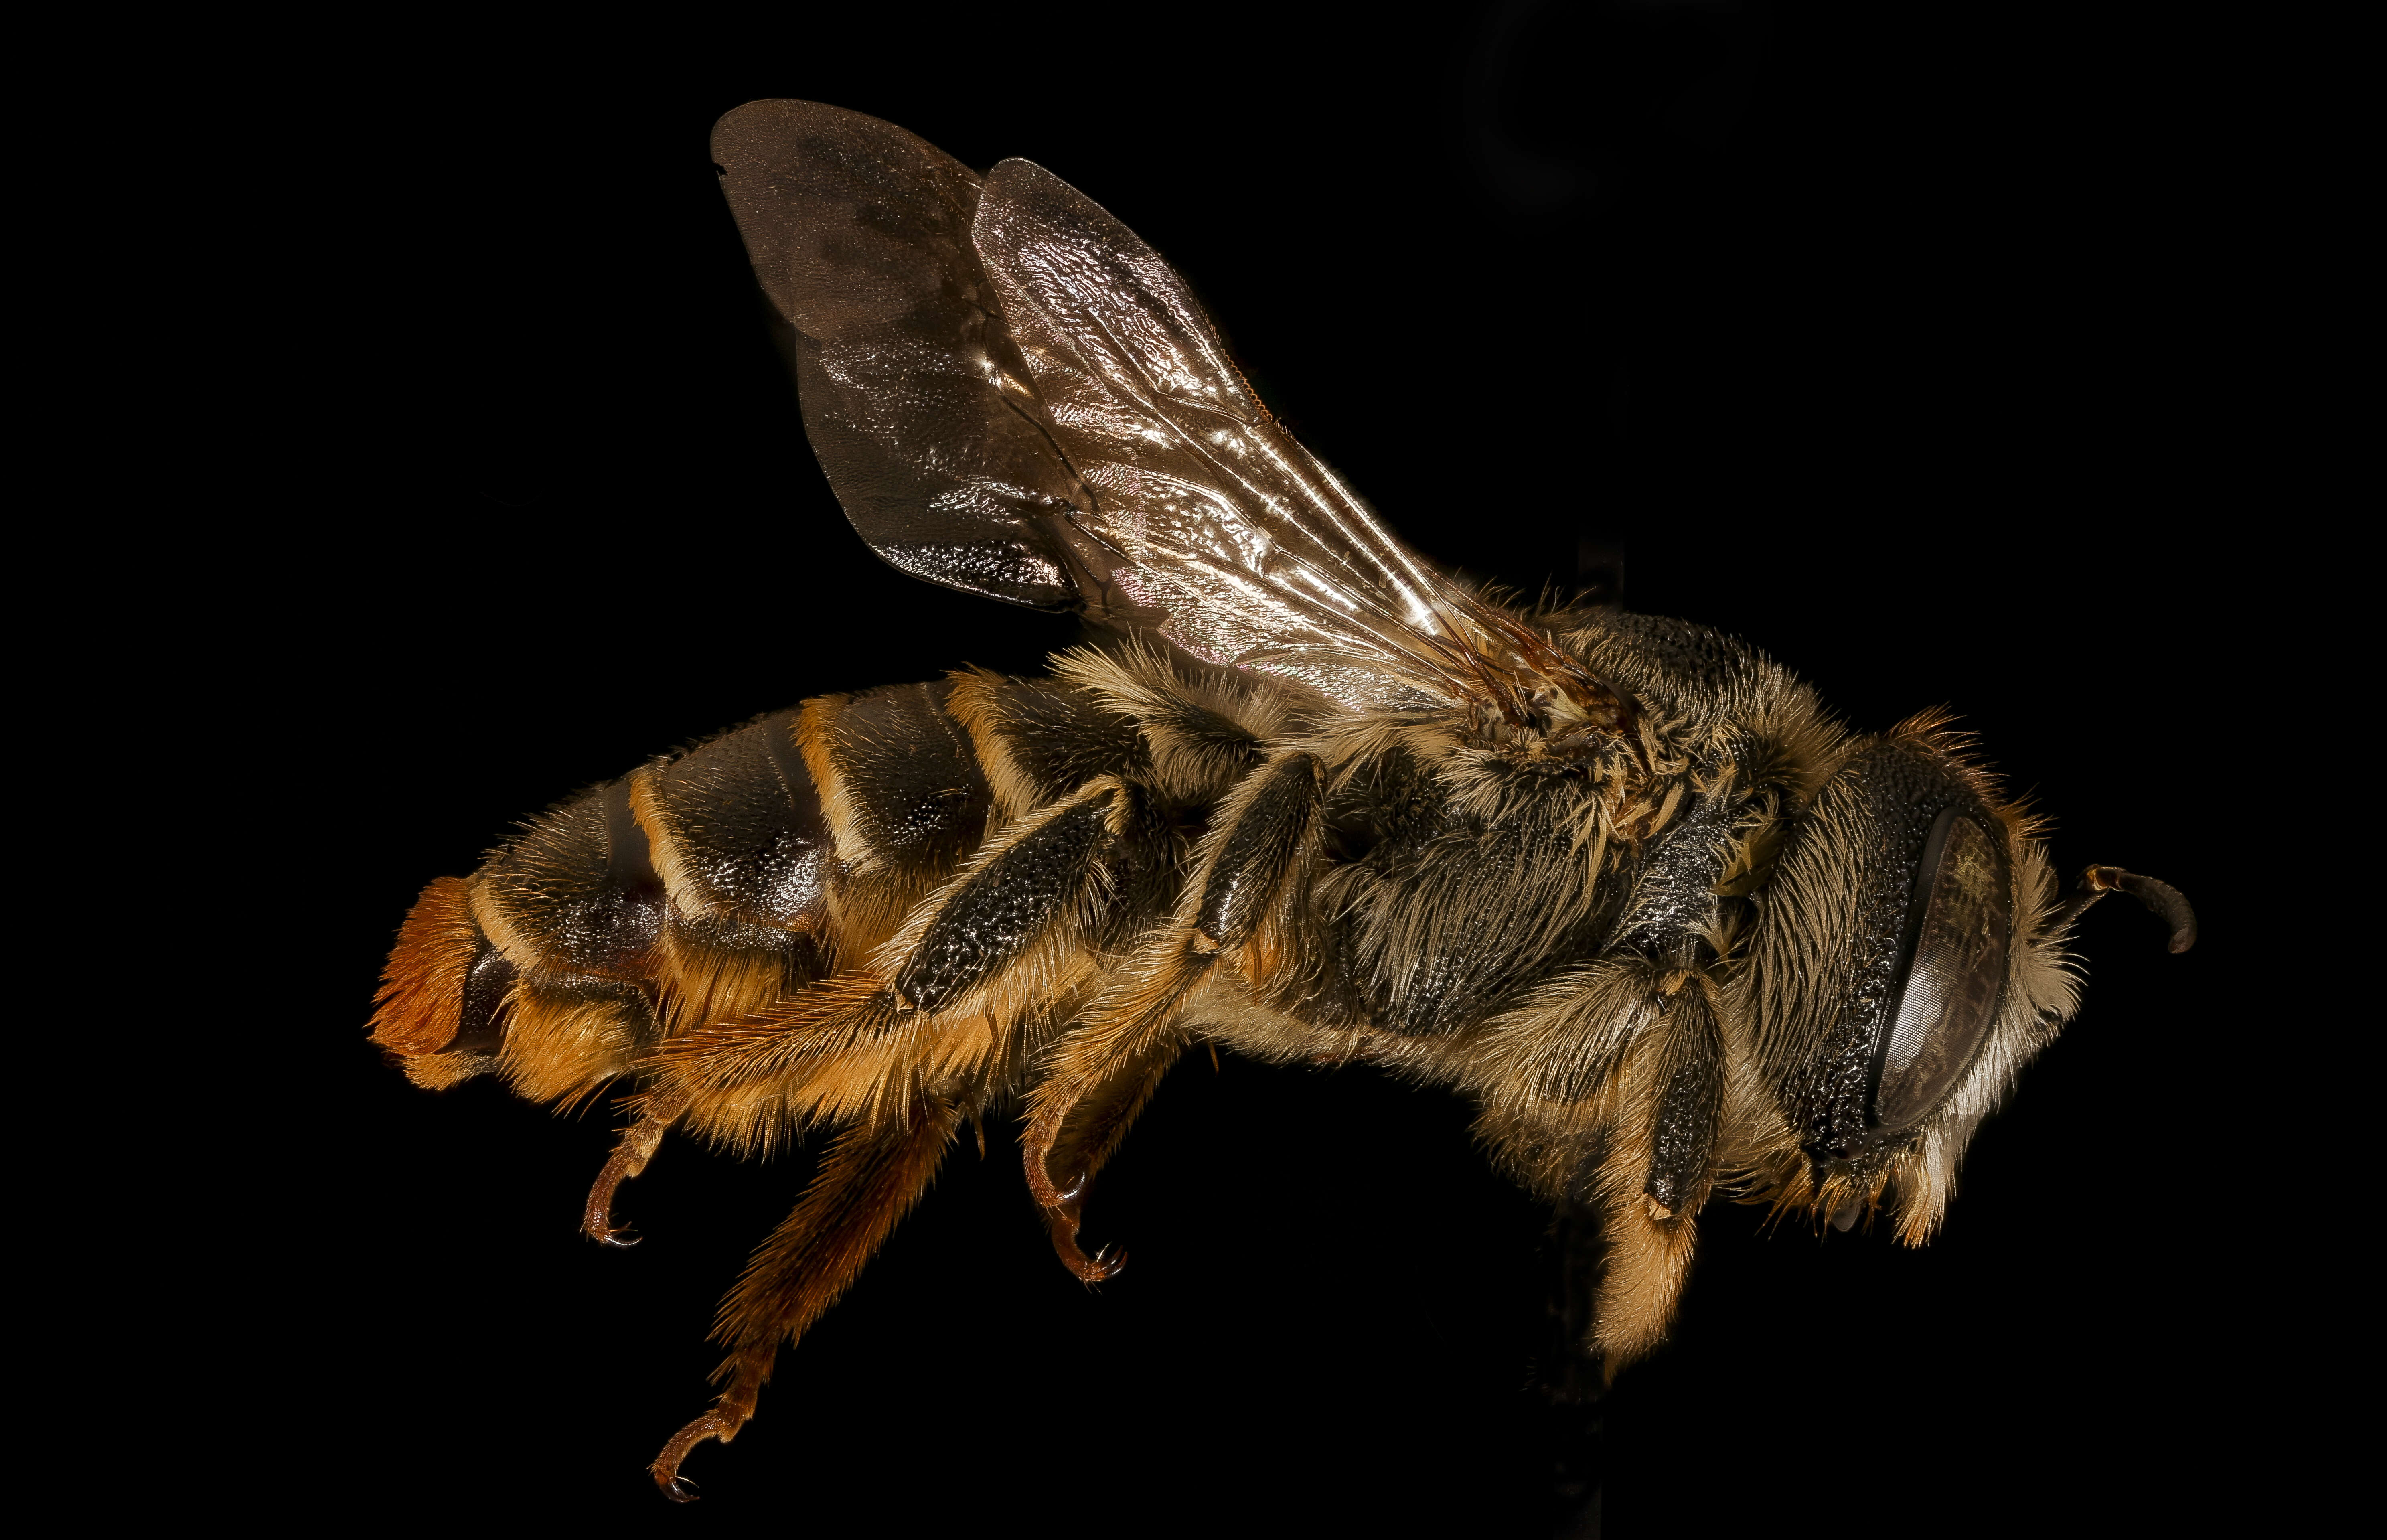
[[1895, 342]]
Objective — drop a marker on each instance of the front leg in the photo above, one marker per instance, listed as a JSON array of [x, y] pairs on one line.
[[1658, 1169], [1606, 1097]]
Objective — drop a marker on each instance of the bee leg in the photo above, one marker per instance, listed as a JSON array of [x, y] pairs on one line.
[[1657, 1172], [1103, 1072], [872, 1177], [1038, 881], [637, 1146], [827, 1017], [1683, 1125], [1106, 1069], [1063, 1220]]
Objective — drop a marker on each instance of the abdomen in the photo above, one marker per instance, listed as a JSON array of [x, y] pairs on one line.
[[694, 890]]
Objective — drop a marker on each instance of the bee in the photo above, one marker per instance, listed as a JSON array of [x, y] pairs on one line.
[[1622, 881]]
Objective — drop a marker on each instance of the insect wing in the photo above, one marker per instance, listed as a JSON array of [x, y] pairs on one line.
[[860, 235], [1242, 546], [1014, 396]]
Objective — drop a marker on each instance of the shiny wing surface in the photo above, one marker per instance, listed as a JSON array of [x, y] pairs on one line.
[[1013, 395], [1256, 554], [859, 233]]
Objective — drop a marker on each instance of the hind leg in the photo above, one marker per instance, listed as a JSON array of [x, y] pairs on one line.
[[636, 1147], [870, 1179]]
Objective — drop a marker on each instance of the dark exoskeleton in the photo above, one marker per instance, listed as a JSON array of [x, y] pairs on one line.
[[1619, 879]]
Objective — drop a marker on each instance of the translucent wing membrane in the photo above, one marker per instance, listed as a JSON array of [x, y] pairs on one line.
[[1015, 395], [1255, 552], [915, 403]]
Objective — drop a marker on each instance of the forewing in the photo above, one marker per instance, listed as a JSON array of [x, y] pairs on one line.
[[1246, 548], [1013, 395], [860, 235]]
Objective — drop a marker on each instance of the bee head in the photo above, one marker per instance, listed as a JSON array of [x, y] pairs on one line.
[[1903, 965]]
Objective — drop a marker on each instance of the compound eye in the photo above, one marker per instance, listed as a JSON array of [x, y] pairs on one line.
[[1963, 889]]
